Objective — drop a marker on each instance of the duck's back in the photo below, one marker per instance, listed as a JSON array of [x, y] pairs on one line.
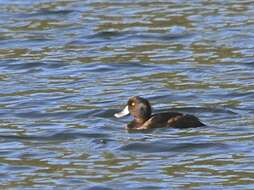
[[173, 119], [185, 121]]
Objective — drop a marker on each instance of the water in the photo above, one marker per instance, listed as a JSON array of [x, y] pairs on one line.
[[67, 66]]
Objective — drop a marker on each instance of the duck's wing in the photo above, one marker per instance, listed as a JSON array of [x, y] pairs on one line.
[[185, 121], [159, 120], [170, 119]]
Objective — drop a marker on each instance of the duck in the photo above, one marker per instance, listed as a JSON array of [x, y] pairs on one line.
[[141, 110]]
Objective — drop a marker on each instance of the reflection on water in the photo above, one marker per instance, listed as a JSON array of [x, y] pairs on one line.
[[68, 66]]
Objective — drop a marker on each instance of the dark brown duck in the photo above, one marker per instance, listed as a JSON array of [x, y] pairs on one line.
[[141, 110]]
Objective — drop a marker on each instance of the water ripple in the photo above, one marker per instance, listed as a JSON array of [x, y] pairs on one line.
[[68, 66]]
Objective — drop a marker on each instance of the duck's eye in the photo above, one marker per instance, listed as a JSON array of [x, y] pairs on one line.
[[133, 104]]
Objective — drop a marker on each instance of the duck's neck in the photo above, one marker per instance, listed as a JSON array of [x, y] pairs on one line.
[[140, 120]]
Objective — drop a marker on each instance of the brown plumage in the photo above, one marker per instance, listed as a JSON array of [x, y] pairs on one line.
[[141, 110]]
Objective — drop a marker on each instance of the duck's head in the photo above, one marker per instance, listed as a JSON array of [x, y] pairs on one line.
[[138, 107]]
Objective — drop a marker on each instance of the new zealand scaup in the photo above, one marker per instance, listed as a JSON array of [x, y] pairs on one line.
[[141, 110]]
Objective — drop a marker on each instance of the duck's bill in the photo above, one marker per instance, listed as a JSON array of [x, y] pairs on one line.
[[123, 113]]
